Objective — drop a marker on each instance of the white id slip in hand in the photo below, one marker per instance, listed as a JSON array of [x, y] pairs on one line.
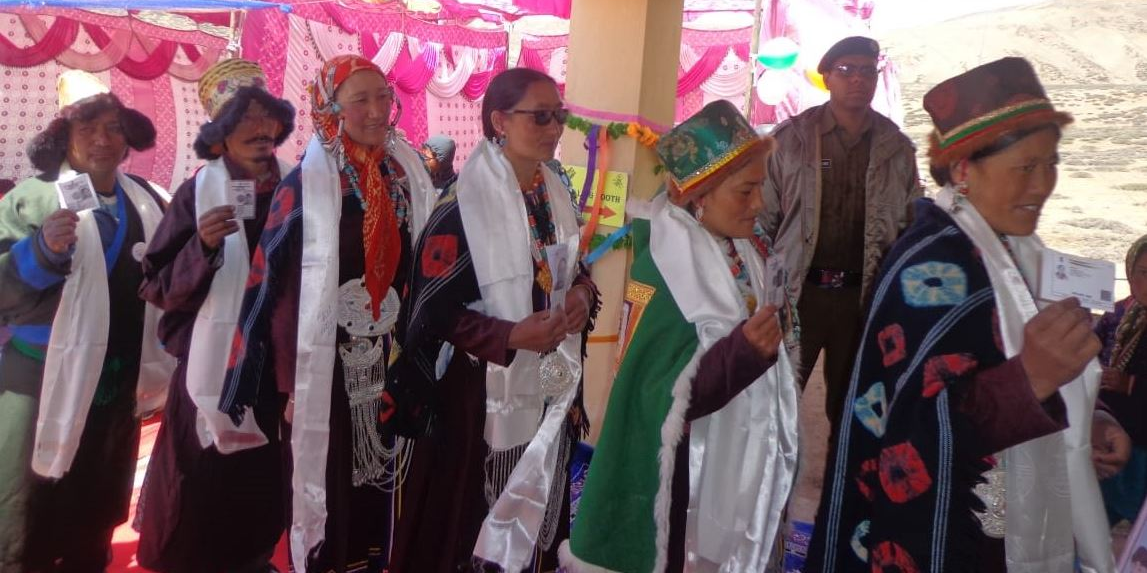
[[562, 259], [77, 194], [1092, 281], [242, 196]]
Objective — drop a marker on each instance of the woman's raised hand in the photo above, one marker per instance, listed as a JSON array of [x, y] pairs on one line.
[[763, 331], [539, 332], [1058, 344]]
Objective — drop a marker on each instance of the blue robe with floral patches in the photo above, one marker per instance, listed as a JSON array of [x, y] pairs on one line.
[[930, 401]]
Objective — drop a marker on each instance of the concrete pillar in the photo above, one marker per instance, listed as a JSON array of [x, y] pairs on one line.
[[623, 58]]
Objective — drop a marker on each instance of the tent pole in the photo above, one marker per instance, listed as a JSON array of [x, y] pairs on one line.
[[508, 27], [754, 45], [234, 47]]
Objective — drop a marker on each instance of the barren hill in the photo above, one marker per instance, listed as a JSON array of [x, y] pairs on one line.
[[1069, 42], [1092, 57]]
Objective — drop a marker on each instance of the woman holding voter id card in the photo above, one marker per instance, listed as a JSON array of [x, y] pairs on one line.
[[71, 386], [698, 449], [490, 378], [321, 301], [966, 442]]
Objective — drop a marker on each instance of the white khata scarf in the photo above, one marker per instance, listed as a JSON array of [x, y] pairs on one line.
[[318, 314], [498, 232], [1054, 507], [215, 324], [79, 340]]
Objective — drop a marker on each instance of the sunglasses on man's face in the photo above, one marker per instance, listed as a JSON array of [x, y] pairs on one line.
[[850, 70], [545, 116]]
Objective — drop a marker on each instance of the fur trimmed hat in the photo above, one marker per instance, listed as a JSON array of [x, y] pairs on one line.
[[977, 107]]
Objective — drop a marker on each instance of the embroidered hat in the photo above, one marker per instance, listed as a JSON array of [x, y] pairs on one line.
[[850, 46], [975, 108], [702, 145], [223, 80], [75, 85]]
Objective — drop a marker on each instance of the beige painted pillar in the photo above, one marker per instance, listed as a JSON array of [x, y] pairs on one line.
[[623, 58]]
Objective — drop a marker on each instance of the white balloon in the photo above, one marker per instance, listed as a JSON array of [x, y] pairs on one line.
[[772, 87]]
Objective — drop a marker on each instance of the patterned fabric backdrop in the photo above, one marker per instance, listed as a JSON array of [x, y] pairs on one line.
[[27, 104], [441, 71], [458, 117], [29, 100]]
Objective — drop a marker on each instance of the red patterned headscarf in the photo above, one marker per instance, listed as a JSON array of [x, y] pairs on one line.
[[381, 240]]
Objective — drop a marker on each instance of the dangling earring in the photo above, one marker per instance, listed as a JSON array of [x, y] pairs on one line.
[[500, 140], [397, 111], [700, 213], [392, 128], [958, 198]]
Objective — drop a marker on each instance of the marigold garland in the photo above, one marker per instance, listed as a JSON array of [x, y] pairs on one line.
[[642, 133]]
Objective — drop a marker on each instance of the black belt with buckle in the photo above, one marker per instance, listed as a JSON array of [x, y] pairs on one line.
[[827, 278]]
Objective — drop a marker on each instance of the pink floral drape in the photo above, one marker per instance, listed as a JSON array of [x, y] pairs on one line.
[[135, 53], [706, 65]]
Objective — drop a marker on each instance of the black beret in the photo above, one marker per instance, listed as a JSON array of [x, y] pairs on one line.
[[850, 46]]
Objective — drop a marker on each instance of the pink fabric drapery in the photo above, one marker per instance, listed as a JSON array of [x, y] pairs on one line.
[[371, 45], [200, 61], [530, 58], [713, 46], [706, 73], [110, 53], [58, 38], [269, 46], [559, 8], [546, 54], [140, 56], [478, 83], [154, 63], [706, 65], [412, 74]]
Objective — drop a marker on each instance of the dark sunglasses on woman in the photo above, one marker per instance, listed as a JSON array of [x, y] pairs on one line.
[[545, 116]]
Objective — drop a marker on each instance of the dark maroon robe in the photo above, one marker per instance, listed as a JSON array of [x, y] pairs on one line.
[[445, 490], [357, 534], [201, 510], [443, 499]]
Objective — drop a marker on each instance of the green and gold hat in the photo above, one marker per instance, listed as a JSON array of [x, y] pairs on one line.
[[698, 148]]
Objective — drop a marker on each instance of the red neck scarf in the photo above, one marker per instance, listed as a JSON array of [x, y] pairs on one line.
[[381, 240]]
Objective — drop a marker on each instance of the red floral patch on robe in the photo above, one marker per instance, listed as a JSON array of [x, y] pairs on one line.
[[903, 476], [868, 478], [892, 346], [258, 268], [238, 348], [942, 370], [439, 255], [385, 407], [281, 206], [888, 556]]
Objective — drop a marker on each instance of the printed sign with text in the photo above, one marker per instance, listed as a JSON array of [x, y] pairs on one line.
[[616, 191]]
